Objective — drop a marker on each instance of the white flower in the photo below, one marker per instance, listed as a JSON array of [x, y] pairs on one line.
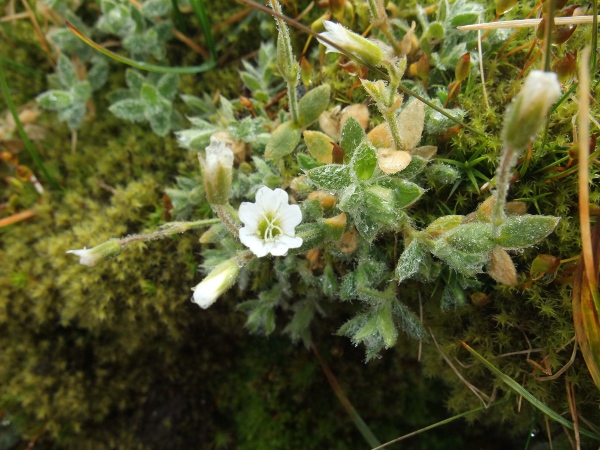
[[216, 283], [217, 170], [270, 223], [353, 43], [92, 256]]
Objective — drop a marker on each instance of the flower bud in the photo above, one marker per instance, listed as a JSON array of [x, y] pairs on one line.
[[463, 67], [216, 283], [353, 43], [217, 171], [92, 256], [529, 108]]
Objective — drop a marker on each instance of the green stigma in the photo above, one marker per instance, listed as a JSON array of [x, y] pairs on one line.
[[268, 228]]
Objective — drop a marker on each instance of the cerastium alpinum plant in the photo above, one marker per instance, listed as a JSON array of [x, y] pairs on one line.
[[349, 190], [343, 188]]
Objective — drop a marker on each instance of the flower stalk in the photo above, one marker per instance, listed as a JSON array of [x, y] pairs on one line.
[[286, 62], [522, 121]]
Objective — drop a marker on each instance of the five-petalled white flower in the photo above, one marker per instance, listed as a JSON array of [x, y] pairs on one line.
[[270, 223]]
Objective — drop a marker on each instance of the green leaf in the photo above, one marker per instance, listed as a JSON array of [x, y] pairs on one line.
[[167, 85], [331, 176], [160, 121], [526, 230], [351, 136], [443, 225], [156, 8], [453, 295], [473, 237], [364, 161], [319, 145], [299, 326], [468, 264], [405, 192], [312, 236], [380, 206], [283, 141], [313, 104], [435, 31], [66, 72], [81, 91], [130, 109], [134, 80], [411, 260], [307, 162], [368, 329], [54, 100]]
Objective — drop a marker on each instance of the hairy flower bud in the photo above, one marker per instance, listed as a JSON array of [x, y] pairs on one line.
[[217, 171], [219, 280], [353, 43], [529, 108], [92, 256]]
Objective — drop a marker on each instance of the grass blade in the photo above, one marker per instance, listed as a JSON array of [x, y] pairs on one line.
[[352, 412], [440, 423], [528, 396], [200, 11], [26, 141], [140, 64]]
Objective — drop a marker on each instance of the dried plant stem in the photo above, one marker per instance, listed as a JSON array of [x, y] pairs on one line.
[[584, 165], [577, 20], [481, 71], [18, 217]]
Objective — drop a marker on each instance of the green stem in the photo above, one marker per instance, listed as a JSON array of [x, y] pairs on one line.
[[26, 141], [225, 217], [140, 64], [509, 156], [392, 122], [169, 229]]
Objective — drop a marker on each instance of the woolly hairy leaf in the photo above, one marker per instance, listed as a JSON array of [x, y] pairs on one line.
[[283, 141], [330, 177], [54, 100], [411, 260], [351, 136], [313, 104], [319, 145], [471, 237], [130, 109], [364, 161], [525, 231]]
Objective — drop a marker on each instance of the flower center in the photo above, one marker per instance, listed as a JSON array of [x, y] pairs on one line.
[[268, 228]]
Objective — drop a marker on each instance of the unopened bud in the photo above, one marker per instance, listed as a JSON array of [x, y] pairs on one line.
[[529, 108], [219, 280], [334, 226], [565, 67], [325, 199], [503, 6], [92, 256], [351, 42], [463, 67], [217, 172]]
